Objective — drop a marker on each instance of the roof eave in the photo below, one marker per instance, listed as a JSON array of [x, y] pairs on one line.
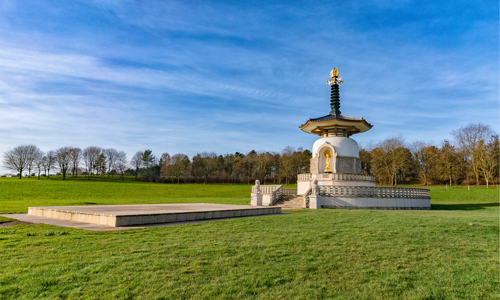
[[337, 119]]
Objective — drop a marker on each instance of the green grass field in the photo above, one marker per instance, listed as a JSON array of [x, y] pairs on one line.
[[308, 254], [17, 195]]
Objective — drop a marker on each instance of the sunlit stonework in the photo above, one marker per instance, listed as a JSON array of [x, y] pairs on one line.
[[336, 178]]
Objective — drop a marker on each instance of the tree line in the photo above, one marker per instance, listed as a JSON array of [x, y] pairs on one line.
[[67, 160], [144, 165], [472, 157]]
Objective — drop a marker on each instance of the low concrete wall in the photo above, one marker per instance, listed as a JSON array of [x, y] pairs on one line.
[[128, 220], [302, 187], [375, 203]]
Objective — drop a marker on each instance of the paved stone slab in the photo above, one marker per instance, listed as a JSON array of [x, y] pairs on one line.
[[148, 209], [95, 227], [133, 215]]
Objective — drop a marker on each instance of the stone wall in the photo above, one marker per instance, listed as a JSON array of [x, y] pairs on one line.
[[314, 165], [375, 203], [345, 164]]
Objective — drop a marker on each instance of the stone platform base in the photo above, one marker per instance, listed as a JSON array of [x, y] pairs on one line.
[[376, 207], [375, 203], [128, 215]]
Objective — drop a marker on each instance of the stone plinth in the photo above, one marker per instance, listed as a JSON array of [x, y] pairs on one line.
[[375, 203], [374, 197], [127, 215]]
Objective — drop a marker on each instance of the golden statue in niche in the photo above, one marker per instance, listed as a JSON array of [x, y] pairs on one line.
[[328, 155]]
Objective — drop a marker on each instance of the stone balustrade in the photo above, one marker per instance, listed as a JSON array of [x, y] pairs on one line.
[[266, 189], [271, 193], [340, 177], [304, 177], [374, 191], [276, 195], [306, 198]]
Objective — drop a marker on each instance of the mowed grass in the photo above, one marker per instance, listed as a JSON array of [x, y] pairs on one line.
[[16, 195], [308, 254]]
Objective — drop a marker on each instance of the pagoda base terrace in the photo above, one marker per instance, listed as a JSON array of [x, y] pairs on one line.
[[351, 197], [375, 203], [363, 197]]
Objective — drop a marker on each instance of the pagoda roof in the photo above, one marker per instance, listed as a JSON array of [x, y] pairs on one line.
[[335, 116], [334, 123]]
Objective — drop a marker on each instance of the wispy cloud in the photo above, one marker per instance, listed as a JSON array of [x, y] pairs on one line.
[[187, 77]]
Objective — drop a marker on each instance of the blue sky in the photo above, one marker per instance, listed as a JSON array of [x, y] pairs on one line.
[[193, 76]]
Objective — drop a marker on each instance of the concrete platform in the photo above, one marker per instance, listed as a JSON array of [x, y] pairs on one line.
[[132, 215], [95, 227]]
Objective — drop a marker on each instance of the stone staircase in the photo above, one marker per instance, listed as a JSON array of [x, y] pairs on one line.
[[291, 202]]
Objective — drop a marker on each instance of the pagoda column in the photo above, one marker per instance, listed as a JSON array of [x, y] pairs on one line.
[[335, 99]]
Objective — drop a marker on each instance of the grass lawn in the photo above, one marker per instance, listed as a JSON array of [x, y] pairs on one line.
[[309, 254], [17, 195]]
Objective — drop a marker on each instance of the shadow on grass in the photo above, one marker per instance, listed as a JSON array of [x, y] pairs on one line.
[[5, 220], [474, 206]]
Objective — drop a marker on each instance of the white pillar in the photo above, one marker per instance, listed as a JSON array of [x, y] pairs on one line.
[[314, 201], [256, 199]]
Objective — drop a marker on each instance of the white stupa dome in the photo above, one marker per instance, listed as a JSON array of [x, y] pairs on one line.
[[344, 146]]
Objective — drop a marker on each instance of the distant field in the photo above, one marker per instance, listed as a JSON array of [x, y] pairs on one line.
[[16, 195], [308, 254]]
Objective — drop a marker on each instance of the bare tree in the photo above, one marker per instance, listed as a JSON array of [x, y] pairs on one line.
[[365, 155], [75, 157], [17, 159], [45, 163], [165, 161], [447, 162], [488, 161], [178, 165], [249, 165], [63, 158], [471, 138], [425, 156], [111, 156], [287, 162], [90, 157], [262, 163], [390, 158], [39, 162], [32, 154], [136, 162], [204, 165], [120, 163], [51, 160]]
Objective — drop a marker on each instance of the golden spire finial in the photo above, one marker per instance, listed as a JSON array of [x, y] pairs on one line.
[[335, 79]]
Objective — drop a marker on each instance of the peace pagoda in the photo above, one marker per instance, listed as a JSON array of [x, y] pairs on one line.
[[336, 179]]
